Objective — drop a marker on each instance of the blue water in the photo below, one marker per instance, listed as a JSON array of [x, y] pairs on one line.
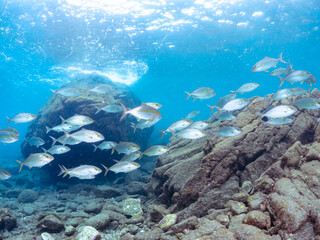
[[159, 48]]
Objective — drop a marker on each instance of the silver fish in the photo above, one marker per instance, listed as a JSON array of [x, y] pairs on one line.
[[7, 137], [132, 156], [307, 103], [223, 100], [105, 145], [296, 76], [81, 172], [298, 91], [4, 174], [85, 135], [279, 121], [78, 120], [156, 150], [201, 125], [122, 166], [22, 118], [280, 111], [282, 94], [190, 133], [63, 127], [192, 114], [63, 140], [142, 112], [142, 124], [125, 147], [176, 126], [235, 104], [57, 149], [228, 131], [225, 116], [248, 87], [67, 92], [200, 92], [208, 96], [13, 130], [266, 63], [102, 89], [114, 108], [153, 104], [36, 141], [36, 160]]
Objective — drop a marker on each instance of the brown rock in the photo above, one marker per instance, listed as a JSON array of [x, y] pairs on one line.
[[51, 224], [258, 219]]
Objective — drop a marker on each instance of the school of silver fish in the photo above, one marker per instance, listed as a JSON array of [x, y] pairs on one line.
[[148, 114]]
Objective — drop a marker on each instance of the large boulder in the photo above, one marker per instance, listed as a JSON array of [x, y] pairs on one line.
[[195, 176], [108, 124]]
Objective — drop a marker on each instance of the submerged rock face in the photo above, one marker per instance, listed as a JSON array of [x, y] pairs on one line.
[[108, 124], [282, 162]]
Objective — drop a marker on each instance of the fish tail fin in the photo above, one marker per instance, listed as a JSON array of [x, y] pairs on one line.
[[9, 120], [194, 98], [211, 132], [62, 119], [98, 109], [107, 169], [48, 129], [173, 135], [233, 92], [162, 133], [54, 92], [211, 108], [63, 171], [21, 164], [281, 80], [189, 95], [95, 147], [309, 90], [125, 111], [280, 59], [66, 135], [112, 151], [134, 127], [43, 149], [53, 140], [141, 154]]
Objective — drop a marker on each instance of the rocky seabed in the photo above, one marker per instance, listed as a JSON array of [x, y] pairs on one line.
[[262, 184]]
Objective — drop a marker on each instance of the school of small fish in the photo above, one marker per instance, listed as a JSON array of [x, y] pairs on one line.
[[148, 114]]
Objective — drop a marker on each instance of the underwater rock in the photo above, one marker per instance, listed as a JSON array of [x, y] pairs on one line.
[[99, 221], [105, 191], [223, 219], [8, 221], [70, 230], [216, 167], [28, 196], [46, 236], [236, 207], [168, 221], [258, 219], [88, 233], [154, 234], [157, 212], [51, 223], [248, 232], [28, 209], [255, 201], [131, 206], [14, 193], [189, 223], [135, 188], [93, 207], [108, 124]]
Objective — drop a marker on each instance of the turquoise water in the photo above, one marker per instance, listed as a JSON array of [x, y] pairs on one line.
[[158, 48]]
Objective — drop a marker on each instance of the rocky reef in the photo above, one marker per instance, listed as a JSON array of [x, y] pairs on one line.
[[108, 124], [262, 184]]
